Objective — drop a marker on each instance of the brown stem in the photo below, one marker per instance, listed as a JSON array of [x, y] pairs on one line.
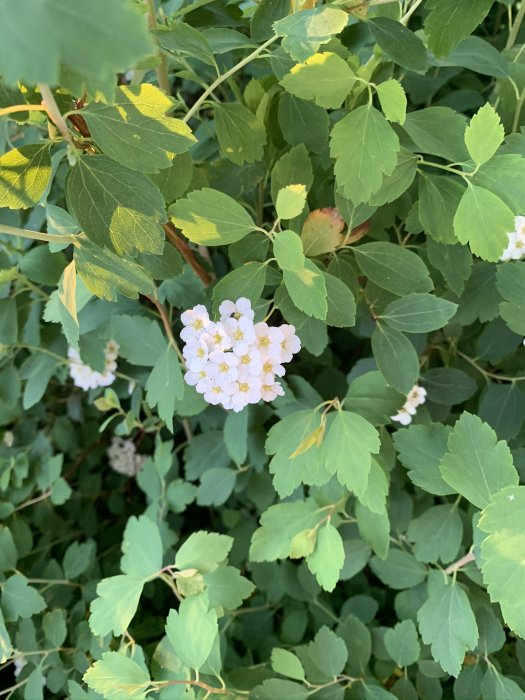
[[198, 684], [166, 323], [466, 559], [186, 252]]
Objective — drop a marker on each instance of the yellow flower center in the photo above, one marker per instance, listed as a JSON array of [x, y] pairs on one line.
[[216, 389], [238, 335], [244, 387], [217, 338], [245, 360], [267, 367], [264, 341], [201, 352], [198, 324], [223, 367]]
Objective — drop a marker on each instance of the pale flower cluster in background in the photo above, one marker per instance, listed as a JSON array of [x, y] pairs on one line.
[[85, 377], [516, 247], [416, 396], [235, 361], [123, 457]]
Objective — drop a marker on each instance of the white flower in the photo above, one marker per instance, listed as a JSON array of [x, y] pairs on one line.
[[19, 661], [291, 344], [196, 352], [515, 249], [241, 332], [234, 362], [195, 322], [123, 457], [242, 308], [269, 392], [415, 397], [402, 417], [85, 377]]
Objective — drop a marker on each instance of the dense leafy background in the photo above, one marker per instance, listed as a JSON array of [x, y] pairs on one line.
[[353, 168]]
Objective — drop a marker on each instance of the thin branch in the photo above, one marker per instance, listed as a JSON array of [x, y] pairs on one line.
[[32, 502], [513, 34], [186, 252], [198, 104], [48, 100], [486, 373], [167, 325], [36, 235], [22, 108], [460, 562], [162, 69]]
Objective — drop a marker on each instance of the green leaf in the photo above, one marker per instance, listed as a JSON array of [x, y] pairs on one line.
[[304, 32], [365, 148], [399, 43], [216, 486], [287, 664], [135, 130], [453, 261], [292, 168], [447, 623], [484, 135], [503, 553], [192, 630], [347, 449], [418, 313], [477, 55], [126, 329], [8, 551], [498, 687], [226, 588], [8, 322], [290, 201], [371, 397], [165, 385], [477, 466], [236, 436], [19, 599], [276, 688], [60, 37], [246, 281], [393, 268], [116, 677], [327, 559], [209, 217], [307, 289], [421, 448], [279, 525], [341, 302], [502, 406], [511, 286], [288, 251], [116, 604], [184, 40], [439, 199], [448, 22], [78, 558], [396, 358], [174, 181], [483, 220], [141, 548], [241, 135], [266, 13], [203, 551], [54, 626], [437, 534], [302, 122], [448, 386], [439, 131], [106, 274], [374, 528], [324, 78], [129, 208], [394, 185], [6, 648], [399, 570], [393, 100], [328, 652], [402, 644], [26, 172], [311, 331], [504, 176]]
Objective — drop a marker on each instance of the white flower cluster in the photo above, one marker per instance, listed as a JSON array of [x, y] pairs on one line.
[[123, 457], [516, 247], [235, 361], [85, 377], [416, 396]]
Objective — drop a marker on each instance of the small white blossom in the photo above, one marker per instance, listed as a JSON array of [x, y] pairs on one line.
[[515, 249], [123, 457], [8, 438], [85, 377], [234, 362], [415, 397]]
